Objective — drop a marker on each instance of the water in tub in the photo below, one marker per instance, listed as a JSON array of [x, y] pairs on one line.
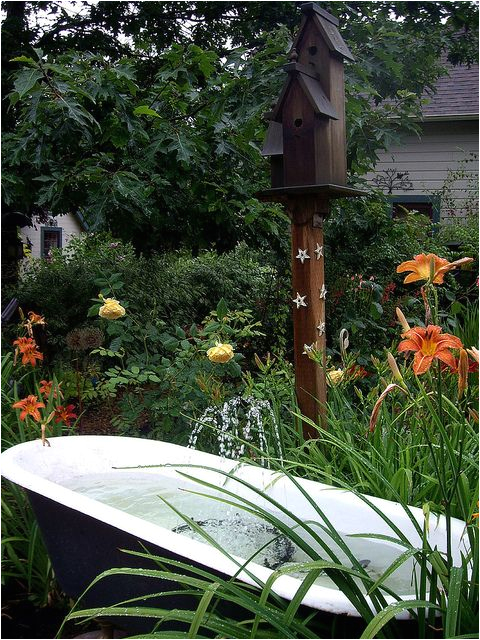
[[235, 530]]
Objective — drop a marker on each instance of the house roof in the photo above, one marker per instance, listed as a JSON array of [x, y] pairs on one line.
[[456, 94]]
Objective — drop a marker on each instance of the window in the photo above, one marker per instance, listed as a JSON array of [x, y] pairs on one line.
[[51, 238], [428, 205]]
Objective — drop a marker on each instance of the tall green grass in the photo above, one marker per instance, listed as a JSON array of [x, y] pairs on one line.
[[264, 614], [26, 567]]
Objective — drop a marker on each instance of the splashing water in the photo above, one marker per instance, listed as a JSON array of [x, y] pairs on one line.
[[237, 422]]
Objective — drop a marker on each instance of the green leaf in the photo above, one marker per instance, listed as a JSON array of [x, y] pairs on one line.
[[193, 330], [143, 110], [222, 309], [180, 333], [381, 619], [376, 310], [115, 344], [454, 594], [26, 80], [93, 311], [22, 59], [449, 295]]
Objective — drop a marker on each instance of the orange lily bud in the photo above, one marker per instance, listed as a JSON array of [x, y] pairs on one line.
[[473, 353], [462, 373], [473, 415], [402, 320], [378, 404], [392, 363]]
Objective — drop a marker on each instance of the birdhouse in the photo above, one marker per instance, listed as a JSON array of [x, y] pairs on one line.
[[306, 135]]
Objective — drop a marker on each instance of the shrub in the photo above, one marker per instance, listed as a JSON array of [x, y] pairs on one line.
[[363, 246], [175, 288]]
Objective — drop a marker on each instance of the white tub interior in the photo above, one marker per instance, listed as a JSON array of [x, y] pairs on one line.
[[56, 472]]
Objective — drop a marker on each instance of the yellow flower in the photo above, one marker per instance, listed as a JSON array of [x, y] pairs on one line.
[[111, 309], [335, 376], [220, 353]]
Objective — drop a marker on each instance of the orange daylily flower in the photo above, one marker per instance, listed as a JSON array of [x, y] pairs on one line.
[[429, 343], [36, 318], [65, 414], [421, 267], [45, 388], [30, 407], [28, 349], [474, 515]]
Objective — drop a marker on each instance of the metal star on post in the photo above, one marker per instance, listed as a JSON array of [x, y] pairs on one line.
[[319, 251], [300, 301], [302, 255], [323, 292], [321, 328]]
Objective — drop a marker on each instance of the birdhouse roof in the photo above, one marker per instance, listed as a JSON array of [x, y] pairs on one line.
[[311, 87], [327, 25]]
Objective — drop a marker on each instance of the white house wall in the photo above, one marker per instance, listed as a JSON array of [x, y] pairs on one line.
[[444, 147], [68, 223]]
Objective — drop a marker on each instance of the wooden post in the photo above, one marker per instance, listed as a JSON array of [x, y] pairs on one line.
[[306, 144], [309, 296]]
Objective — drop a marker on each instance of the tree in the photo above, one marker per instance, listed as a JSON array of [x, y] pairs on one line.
[[157, 137]]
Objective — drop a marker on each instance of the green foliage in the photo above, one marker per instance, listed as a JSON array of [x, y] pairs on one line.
[[24, 558], [171, 163], [460, 236], [157, 137], [172, 380], [63, 286], [363, 286], [181, 290]]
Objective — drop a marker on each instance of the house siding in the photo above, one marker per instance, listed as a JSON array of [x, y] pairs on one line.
[[68, 223], [444, 147]]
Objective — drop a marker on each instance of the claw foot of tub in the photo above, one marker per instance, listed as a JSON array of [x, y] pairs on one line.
[[105, 632]]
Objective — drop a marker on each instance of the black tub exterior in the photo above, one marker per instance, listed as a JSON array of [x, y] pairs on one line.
[[81, 547]]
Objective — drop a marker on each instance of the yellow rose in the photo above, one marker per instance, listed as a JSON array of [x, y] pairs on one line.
[[220, 353], [111, 309], [335, 376]]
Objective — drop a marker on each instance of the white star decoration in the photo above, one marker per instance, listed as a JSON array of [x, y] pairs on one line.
[[323, 292], [321, 328], [302, 255], [308, 348], [319, 251], [300, 301]]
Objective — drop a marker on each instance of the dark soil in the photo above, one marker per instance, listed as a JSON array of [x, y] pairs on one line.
[[97, 421], [22, 619]]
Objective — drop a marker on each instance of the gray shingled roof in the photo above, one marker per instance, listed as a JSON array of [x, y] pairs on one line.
[[457, 93]]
